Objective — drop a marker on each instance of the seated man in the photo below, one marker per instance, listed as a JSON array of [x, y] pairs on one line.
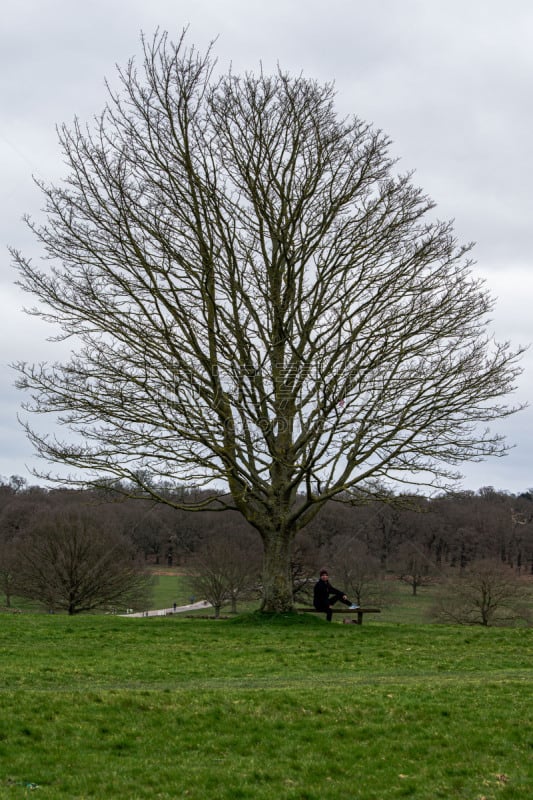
[[325, 595]]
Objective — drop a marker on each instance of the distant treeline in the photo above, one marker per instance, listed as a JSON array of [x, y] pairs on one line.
[[453, 530]]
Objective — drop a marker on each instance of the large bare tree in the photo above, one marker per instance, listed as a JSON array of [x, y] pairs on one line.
[[259, 305], [68, 561]]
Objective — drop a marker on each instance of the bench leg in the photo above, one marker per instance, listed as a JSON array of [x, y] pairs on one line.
[[359, 617]]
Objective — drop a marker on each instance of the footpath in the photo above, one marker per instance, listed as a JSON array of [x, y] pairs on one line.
[[164, 612]]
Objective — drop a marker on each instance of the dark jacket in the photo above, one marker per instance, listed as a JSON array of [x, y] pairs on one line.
[[322, 592]]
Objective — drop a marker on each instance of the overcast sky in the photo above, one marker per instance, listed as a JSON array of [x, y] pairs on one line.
[[448, 80]]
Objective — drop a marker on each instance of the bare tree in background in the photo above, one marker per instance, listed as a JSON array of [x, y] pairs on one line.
[[413, 566], [258, 305], [19, 508], [8, 571], [226, 570], [359, 573], [487, 593], [68, 562]]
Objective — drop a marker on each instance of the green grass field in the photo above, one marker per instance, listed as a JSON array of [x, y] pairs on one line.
[[106, 707], [169, 587]]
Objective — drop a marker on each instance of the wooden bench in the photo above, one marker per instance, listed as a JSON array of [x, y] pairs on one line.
[[345, 610]]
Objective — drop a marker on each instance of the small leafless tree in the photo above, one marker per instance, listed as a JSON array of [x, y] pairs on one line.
[[68, 562], [8, 571], [227, 570], [358, 573], [487, 593], [259, 303], [413, 566]]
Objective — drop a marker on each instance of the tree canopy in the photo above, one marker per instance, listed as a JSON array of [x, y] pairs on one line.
[[259, 303]]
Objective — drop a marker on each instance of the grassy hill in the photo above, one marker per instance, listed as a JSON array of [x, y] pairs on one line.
[[107, 707]]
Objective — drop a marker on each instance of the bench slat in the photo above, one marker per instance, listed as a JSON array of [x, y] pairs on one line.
[[345, 610]]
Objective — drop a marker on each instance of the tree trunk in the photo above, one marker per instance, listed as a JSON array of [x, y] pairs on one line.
[[277, 582]]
